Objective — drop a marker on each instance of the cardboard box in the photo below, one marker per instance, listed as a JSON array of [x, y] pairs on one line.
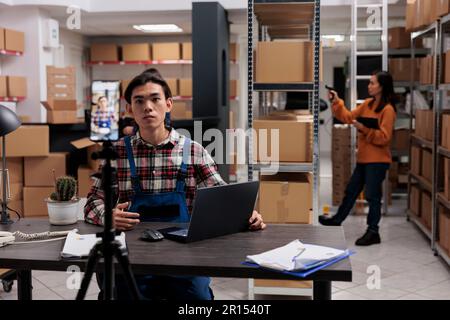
[[102, 52], [233, 88], [34, 204], [233, 52], [284, 62], [186, 51], [91, 147], [445, 133], [283, 284], [444, 228], [17, 86], [15, 191], [61, 83], [286, 198], [416, 160], [2, 39], [15, 169], [185, 87], [426, 70], [124, 85], [61, 111], [28, 141], [399, 38], [425, 124], [426, 212], [447, 178], [173, 85], [295, 136], [3, 86], [400, 140], [181, 110], [410, 15], [16, 205], [39, 170], [442, 7], [136, 52], [427, 160], [414, 201], [400, 68], [166, 51], [14, 40], [84, 181]]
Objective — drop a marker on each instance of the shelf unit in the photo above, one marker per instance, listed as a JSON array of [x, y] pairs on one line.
[[285, 19], [436, 31], [6, 53]]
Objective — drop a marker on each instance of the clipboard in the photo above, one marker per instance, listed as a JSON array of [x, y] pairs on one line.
[[371, 123]]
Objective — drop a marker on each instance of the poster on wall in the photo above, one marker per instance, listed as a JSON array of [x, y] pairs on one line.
[[105, 110]]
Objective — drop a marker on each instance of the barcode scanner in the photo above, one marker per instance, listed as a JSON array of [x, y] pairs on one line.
[[332, 94]]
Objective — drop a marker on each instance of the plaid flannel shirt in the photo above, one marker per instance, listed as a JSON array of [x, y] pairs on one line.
[[157, 168]]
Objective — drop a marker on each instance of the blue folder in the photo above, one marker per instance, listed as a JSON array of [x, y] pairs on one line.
[[304, 273]]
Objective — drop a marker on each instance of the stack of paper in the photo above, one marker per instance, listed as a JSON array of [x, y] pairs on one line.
[[297, 256], [80, 245]]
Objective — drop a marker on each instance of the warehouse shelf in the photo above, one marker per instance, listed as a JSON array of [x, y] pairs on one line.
[[442, 253], [419, 224], [442, 200], [443, 151], [10, 53], [424, 87], [284, 167], [11, 99], [444, 86], [429, 30], [306, 86], [144, 62], [422, 142], [407, 52], [425, 184]]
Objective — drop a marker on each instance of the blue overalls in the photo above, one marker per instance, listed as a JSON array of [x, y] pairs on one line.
[[165, 206]]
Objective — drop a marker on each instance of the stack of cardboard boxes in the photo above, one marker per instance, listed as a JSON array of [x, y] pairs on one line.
[[31, 168], [341, 159], [421, 13], [11, 40], [425, 124]]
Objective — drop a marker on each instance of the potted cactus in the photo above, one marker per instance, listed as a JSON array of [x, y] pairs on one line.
[[63, 203]]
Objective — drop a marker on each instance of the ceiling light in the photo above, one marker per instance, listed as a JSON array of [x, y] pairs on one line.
[[155, 28]]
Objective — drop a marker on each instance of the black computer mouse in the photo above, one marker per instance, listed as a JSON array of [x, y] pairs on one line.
[[151, 235]]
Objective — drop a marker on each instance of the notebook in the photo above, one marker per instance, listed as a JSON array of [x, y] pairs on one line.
[[80, 245]]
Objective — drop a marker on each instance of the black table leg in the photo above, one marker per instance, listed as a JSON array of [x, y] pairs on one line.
[[24, 285], [322, 290]]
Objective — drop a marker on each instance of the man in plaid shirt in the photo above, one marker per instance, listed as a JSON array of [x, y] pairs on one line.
[[150, 171]]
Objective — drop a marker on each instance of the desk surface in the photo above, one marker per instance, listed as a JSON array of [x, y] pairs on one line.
[[218, 257]]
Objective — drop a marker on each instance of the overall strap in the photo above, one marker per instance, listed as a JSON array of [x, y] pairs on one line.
[[183, 169], [134, 176]]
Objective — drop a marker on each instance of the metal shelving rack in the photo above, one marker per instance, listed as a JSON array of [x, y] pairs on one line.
[[305, 27], [436, 30]]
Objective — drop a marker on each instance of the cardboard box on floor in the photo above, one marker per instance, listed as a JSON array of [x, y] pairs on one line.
[[84, 180], [444, 228], [61, 111], [17, 86], [91, 147], [39, 170], [104, 52], [166, 51], [28, 141], [426, 210], [34, 204], [427, 160], [286, 198], [14, 40], [416, 160], [414, 200], [284, 62], [3, 86], [136, 52], [445, 133], [295, 135]]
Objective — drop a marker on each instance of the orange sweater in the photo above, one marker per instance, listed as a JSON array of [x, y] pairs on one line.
[[374, 146]]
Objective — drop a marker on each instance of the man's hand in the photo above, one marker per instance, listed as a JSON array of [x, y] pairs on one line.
[[256, 221], [123, 220]]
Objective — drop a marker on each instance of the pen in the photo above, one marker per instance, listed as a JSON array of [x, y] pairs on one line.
[[298, 254]]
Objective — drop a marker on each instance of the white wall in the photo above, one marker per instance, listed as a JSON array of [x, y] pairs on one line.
[[331, 59]]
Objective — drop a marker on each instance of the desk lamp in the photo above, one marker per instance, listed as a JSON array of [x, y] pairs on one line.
[[8, 123]]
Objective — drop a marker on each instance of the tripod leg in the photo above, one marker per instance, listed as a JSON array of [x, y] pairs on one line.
[[122, 258], [94, 255]]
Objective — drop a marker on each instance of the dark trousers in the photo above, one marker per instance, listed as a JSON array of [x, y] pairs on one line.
[[370, 176]]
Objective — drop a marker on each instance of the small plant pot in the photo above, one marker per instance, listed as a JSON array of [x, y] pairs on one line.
[[62, 212]]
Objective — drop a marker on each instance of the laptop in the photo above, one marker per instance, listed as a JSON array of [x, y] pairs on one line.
[[218, 211]]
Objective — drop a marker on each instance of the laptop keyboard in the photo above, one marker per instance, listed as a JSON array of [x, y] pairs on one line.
[[181, 232]]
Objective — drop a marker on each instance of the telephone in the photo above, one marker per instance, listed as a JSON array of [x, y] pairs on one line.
[[10, 237]]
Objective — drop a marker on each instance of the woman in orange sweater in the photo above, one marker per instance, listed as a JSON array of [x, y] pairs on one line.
[[374, 155]]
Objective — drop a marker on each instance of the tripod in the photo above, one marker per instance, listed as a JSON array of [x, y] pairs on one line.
[[108, 247]]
